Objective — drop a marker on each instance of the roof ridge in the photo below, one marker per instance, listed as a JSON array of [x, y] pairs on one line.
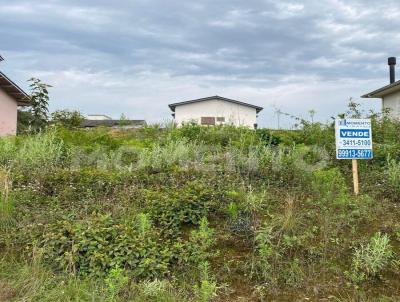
[[23, 99], [173, 105]]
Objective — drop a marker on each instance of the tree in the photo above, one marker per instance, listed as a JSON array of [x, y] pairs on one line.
[[66, 118], [38, 111], [124, 121]]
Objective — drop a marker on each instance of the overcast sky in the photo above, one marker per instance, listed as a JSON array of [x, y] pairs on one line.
[[136, 56]]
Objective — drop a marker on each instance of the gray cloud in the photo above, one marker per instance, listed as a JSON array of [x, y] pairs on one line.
[[137, 56]]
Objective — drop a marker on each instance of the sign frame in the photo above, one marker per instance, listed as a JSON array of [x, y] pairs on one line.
[[353, 138]]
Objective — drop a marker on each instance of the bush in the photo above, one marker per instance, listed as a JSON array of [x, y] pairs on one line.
[[201, 242], [116, 280], [372, 259], [98, 245], [263, 254], [172, 208], [78, 185], [208, 287], [329, 186]]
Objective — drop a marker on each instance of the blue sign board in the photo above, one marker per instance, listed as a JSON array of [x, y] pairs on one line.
[[353, 139]]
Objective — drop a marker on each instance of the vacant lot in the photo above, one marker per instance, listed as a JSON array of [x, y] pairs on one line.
[[198, 214]]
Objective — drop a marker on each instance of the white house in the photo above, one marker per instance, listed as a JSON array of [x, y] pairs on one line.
[[11, 96], [390, 94], [215, 110]]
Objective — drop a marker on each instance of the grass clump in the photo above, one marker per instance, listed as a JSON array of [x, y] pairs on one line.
[[371, 260]]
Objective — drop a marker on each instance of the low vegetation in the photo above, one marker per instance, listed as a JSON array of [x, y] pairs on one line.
[[197, 214]]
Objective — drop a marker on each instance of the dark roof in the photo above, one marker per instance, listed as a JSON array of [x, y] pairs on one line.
[[172, 106], [111, 123], [385, 90], [14, 91]]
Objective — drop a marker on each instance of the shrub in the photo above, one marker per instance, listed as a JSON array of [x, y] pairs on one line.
[[172, 208], [89, 140], [116, 280], [143, 224], [208, 287], [201, 241], [329, 186], [154, 288], [98, 245], [76, 186], [293, 165], [371, 260], [261, 264], [221, 136], [268, 137]]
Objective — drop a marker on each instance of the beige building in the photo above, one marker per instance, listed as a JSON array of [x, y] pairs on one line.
[[215, 110], [390, 94], [11, 96]]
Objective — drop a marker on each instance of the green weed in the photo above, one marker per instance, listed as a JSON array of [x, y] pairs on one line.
[[372, 259]]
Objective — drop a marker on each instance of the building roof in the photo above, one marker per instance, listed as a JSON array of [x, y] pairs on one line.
[[385, 90], [110, 123], [174, 105], [14, 91], [98, 117]]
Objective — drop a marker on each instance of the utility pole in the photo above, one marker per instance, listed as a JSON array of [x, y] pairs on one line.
[[278, 113], [312, 113]]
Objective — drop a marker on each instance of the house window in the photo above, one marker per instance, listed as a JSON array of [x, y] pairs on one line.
[[207, 120], [221, 119]]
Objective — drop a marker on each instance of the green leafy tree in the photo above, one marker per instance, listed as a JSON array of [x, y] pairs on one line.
[[123, 120], [66, 118], [39, 112]]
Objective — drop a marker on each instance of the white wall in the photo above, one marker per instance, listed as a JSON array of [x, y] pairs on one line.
[[98, 117], [392, 101], [8, 114], [234, 114]]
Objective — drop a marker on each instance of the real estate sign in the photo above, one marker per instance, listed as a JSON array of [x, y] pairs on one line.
[[353, 139]]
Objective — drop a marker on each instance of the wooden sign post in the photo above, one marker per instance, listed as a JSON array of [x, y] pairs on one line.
[[356, 186], [354, 141]]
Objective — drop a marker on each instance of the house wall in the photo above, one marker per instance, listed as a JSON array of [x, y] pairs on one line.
[[8, 114], [392, 102], [98, 117], [234, 114]]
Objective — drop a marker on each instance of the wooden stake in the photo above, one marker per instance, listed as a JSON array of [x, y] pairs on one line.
[[354, 164]]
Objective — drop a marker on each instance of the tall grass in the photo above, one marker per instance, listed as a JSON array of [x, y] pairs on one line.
[[175, 152], [6, 205], [8, 149], [33, 153], [393, 177], [40, 152]]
